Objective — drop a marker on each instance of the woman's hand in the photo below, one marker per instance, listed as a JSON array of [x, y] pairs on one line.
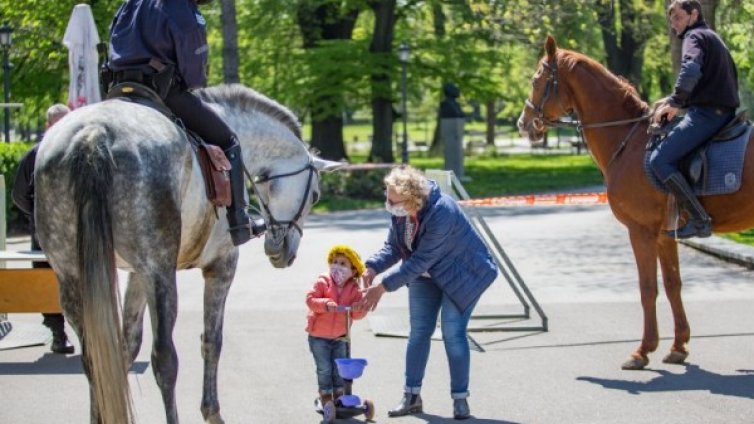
[[372, 297], [368, 277]]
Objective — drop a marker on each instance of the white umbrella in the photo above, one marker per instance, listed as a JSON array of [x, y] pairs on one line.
[[81, 39]]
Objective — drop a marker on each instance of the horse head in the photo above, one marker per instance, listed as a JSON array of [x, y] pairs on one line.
[[548, 100], [285, 213]]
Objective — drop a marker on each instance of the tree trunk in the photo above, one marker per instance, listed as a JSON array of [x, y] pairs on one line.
[[382, 103], [436, 147], [230, 41], [325, 20], [490, 119], [624, 48]]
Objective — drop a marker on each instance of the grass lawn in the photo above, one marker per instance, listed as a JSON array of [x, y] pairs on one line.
[[506, 175], [746, 237]]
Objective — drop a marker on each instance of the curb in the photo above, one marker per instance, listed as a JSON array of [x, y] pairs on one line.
[[725, 249]]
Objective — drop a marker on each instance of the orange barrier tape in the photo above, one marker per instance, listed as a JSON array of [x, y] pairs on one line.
[[540, 200]]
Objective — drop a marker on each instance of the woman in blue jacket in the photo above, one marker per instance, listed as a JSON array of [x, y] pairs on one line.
[[445, 265]]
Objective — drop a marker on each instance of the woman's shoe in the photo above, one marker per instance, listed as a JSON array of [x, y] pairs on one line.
[[461, 409], [410, 404]]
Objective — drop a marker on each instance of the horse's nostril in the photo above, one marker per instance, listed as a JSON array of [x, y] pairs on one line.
[[537, 124]]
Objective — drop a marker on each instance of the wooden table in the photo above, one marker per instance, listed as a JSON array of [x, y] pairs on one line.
[[25, 289]]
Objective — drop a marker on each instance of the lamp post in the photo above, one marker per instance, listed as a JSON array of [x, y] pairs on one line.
[[5, 42], [404, 52]]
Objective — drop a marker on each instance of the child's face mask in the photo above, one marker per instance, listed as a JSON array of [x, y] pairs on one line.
[[340, 274]]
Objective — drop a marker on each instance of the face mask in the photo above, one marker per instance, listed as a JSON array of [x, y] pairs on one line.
[[340, 274], [396, 210]]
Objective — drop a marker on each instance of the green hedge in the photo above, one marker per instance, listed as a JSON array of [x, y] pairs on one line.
[[10, 155]]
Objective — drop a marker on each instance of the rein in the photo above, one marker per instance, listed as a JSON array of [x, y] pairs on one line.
[[293, 222]]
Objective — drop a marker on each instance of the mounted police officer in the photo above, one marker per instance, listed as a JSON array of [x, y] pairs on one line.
[[708, 86], [163, 44]]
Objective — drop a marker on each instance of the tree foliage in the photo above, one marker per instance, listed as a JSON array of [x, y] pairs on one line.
[[487, 47]]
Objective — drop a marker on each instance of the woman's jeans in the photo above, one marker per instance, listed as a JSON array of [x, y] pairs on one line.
[[698, 125], [325, 351], [426, 300]]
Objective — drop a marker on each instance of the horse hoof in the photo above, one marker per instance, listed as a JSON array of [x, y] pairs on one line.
[[214, 419], [675, 357], [634, 363]]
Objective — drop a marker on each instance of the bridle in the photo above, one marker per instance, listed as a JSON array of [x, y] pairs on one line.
[[552, 89], [284, 225], [540, 121]]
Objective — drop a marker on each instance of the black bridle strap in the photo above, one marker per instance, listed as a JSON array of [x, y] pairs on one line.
[[263, 179]]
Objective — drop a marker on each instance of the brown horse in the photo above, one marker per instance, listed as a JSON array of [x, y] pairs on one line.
[[614, 121]]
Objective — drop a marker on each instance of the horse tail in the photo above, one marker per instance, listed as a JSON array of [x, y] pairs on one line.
[[91, 169]]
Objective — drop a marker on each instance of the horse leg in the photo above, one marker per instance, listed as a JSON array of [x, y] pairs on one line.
[[671, 277], [134, 306], [644, 245], [163, 309], [218, 278]]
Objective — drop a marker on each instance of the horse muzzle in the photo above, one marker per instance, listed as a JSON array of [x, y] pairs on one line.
[[280, 246], [534, 129]]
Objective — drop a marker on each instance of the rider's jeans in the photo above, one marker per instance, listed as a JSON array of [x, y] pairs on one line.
[[426, 301], [698, 125]]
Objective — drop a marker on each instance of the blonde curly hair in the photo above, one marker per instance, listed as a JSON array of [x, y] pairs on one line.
[[410, 184]]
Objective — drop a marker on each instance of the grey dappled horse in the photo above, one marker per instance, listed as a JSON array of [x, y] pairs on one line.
[[117, 185]]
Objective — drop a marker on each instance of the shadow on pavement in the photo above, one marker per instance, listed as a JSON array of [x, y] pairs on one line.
[[597, 343], [694, 378], [55, 364], [435, 419]]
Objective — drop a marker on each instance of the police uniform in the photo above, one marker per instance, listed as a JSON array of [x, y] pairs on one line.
[[163, 44]]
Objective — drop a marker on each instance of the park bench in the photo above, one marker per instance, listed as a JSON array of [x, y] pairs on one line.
[[25, 289]]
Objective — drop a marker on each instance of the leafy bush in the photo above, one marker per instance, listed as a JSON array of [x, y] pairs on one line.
[[363, 184]]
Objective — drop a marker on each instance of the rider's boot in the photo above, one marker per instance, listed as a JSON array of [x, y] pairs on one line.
[[239, 222], [699, 223]]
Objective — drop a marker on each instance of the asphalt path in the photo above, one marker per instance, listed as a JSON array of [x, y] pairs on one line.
[[575, 260]]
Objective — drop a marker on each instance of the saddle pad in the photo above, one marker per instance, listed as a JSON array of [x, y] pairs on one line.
[[724, 167]]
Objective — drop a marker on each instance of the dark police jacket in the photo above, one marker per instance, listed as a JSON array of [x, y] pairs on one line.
[[708, 75], [171, 31]]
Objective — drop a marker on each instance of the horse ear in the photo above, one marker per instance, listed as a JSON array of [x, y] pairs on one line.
[[551, 47], [326, 165]]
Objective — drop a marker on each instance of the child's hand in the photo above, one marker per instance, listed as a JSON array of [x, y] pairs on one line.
[[331, 306]]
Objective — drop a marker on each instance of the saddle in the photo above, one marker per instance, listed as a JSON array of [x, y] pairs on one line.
[[214, 165], [716, 166]]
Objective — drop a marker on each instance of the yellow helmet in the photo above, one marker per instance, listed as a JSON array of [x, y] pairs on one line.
[[353, 257]]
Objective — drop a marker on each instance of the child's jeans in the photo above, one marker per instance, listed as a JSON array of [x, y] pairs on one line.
[[325, 351]]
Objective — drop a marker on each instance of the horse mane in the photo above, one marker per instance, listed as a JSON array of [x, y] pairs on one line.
[[244, 98], [617, 84]]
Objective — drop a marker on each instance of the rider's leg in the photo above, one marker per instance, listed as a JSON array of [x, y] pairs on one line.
[[697, 126], [201, 119]]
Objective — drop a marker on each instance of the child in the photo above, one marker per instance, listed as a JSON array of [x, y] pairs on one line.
[[327, 326]]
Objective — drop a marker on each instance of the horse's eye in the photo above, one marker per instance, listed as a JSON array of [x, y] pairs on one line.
[[315, 198]]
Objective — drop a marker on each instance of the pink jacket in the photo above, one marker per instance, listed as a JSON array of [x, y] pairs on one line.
[[330, 325]]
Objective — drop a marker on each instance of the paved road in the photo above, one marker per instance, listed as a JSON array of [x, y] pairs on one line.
[[575, 260]]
